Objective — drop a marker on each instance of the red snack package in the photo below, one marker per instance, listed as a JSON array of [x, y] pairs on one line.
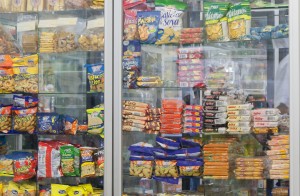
[[24, 169], [132, 3], [170, 131], [5, 61]]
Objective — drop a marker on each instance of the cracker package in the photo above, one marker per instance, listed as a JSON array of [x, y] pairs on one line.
[[239, 20], [7, 82], [24, 119], [54, 5], [69, 160], [26, 74], [148, 26], [141, 167], [216, 21], [170, 25], [5, 118], [166, 168], [95, 121], [95, 77]]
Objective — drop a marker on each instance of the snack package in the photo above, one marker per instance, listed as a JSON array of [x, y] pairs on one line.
[[132, 3], [18, 6], [65, 40], [87, 162], [76, 190], [190, 167], [68, 155], [7, 43], [59, 190], [95, 77], [97, 4], [6, 166], [99, 162], [92, 39], [35, 5], [76, 4], [70, 125], [54, 5], [131, 49], [47, 43], [49, 159], [167, 143], [216, 20], [239, 20], [25, 101], [26, 74], [49, 123], [95, 121], [24, 119], [148, 26], [166, 168], [5, 6], [170, 25], [141, 167], [5, 118]]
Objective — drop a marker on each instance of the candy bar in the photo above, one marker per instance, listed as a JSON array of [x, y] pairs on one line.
[[183, 74], [134, 103], [215, 115], [213, 92], [191, 113], [148, 78], [193, 119], [239, 129], [215, 103], [192, 125], [193, 107], [190, 78], [191, 35], [215, 97], [142, 122], [135, 108], [215, 108], [239, 124], [265, 112], [135, 125], [262, 130], [265, 118], [149, 84], [191, 30], [144, 118], [189, 68], [239, 112], [130, 128], [189, 61], [135, 113], [191, 84], [190, 56], [265, 124], [215, 121], [239, 118], [212, 130], [191, 130], [239, 107]]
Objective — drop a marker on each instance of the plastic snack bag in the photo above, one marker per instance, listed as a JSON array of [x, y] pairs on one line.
[[25, 101], [70, 125], [35, 5], [76, 4], [190, 167], [59, 190], [49, 123], [68, 160], [216, 21], [54, 5], [99, 162], [148, 26], [24, 119], [95, 120], [75, 191], [18, 5], [5, 118], [170, 26], [166, 168], [7, 82], [239, 20], [167, 143], [141, 167], [95, 77]]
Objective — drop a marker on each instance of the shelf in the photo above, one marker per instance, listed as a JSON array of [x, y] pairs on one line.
[[57, 12]]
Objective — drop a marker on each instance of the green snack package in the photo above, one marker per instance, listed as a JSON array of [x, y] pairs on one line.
[[170, 25], [67, 160], [216, 21], [239, 20], [96, 121]]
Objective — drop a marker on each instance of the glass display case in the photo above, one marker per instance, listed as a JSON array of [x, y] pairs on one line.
[[56, 75], [205, 98]]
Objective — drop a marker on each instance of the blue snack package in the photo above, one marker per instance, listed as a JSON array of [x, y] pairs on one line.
[[134, 154], [167, 143], [131, 49], [188, 152], [162, 153], [49, 123], [25, 101], [187, 144], [142, 148], [148, 26], [189, 167], [96, 77], [132, 64], [167, 179], [141, 159]]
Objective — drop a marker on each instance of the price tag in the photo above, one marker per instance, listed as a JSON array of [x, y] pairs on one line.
[[95, 23], [71, 21], [48, 23], [26, 26]]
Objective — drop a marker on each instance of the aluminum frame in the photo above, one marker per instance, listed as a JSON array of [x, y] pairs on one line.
[[108, 97]]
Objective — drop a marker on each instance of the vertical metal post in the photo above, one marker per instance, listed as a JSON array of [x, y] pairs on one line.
[[294, 25]]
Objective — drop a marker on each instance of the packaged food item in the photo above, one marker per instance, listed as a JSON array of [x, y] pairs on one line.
[[189, 167], [95, 120], [35, 5], [25, 101], [166, 168], [28, 188], [65, 41], [5, 6], [24, 119], [95, 77], [26, 74], [92, 39], [7, 45], [97, 4], [68, 160], [5, 118], [49, 159], [216, 20], [49, 123], [131, 49], [265, 112], [59, 190], [76, 4], [76, 190], [87, 162], [70, 125], [170, 25], [47, 43], [54, 5], [6, 166], [99, 162], [239, 20], [141, 167], [167, 143], [18, 6], [148, 26]]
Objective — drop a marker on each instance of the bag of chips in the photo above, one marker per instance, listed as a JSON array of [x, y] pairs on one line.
[[239, 20], [99, 162], [69, 160], [96, 121], [24, 119], [5, 118], [59, 189], [7, 82], [95, 77], [216, 20], [170, 26], [70, 125], [87, 162], [148, 26]]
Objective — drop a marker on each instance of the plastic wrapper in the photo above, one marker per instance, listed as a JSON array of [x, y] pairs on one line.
[[26, 74], [27, 32], [18, 5], [70, 125], [95, 77], [170, 26], [54, 5], [141, 167], [49, 123], [167, 143], [97, 4], [92, 40], [47, 43], [166, 168], [189, 168], [87, 165], [239, 118], [70, 159], [99, 162], [35, 5], [239, 113], [142, 147], [76, 4], [265, 130], [95, 120], [5, 118], [148, 26], [239, 107], [24, 165], [24, 120], [7, 42], [266, 112]]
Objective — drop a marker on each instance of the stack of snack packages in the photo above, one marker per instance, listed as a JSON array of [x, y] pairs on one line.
[[171, 117], [249, 168], [266, 120], [216, 160], [153, 126], [278, 157], [191, 36], [215, 107], [190, 67], [193, 119], [239, 118], [135, 116]]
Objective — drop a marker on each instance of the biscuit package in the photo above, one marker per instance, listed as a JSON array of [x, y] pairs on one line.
[[141, 167], [170, 25], [95, 121], [239, 20], [95, 77], [54, 5], [70, 159], [148, 26], [24, 119], [216, 21], [5, 119]]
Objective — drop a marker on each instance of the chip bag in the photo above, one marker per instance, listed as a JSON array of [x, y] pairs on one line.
[[59, 190], [189, 167], [166, 168], [68, 160], [5, 118], [148, 26], [95, 120], [76, 191], [95, 77], [7, 82], [141, 167], [24, 119], [216, 21], [99, 162], [170, 25], [239, 20], [6, 166], [70, 125]]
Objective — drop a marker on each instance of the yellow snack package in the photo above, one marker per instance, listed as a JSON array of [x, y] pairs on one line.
[[87, 169], [29, 189], [1, 189], [96, 121], [59, 190], [13, 189], [76, 191], [88, 189]]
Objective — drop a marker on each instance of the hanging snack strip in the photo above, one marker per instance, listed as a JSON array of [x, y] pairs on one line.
[[266, 120], [239, 118]]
